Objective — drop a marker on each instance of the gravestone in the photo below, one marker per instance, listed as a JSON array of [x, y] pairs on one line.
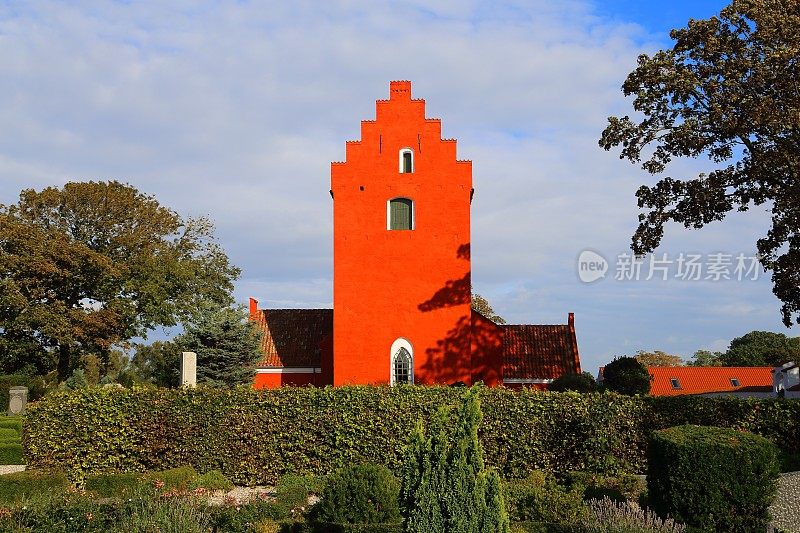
[[188, 369], [17, 400]]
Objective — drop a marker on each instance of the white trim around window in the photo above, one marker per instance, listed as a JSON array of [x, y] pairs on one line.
[[396, 345], [526, 381]]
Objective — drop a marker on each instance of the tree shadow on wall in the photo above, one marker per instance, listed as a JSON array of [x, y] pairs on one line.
[[455, 291], [453, 359]]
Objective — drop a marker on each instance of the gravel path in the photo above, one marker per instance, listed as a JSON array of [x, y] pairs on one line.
[[10, 469], [786, 508]]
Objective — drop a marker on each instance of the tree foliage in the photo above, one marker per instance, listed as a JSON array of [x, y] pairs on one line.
[[583, 382], [227, 344], [728, 89], [706, 358], [91, 265], [445, 485], [158, 363], [481, 305], [761, 348], [626, 375], [658, 358]]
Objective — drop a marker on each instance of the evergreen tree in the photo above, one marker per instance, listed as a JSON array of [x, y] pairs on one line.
[[227, 346], [446, 486]]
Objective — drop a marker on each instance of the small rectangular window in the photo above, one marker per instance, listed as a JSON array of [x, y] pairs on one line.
[[401, 213], [407, 162], [675, 383], [734, 382]]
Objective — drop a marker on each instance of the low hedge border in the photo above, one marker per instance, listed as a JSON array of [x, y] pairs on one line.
[[255, 436]]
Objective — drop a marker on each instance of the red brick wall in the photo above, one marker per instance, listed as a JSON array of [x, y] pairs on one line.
[[413, 284]]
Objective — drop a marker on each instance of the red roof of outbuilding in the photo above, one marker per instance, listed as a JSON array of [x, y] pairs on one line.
[[540, 351], [292, 337], [708, 379]]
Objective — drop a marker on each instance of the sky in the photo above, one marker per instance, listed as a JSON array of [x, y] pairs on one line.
[[234, 111]]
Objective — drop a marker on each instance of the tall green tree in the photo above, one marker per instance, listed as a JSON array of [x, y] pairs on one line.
[[626, 375], [445, 485], [91, 265], [761, 348], [158, 363], [727, 89], [227, 344]]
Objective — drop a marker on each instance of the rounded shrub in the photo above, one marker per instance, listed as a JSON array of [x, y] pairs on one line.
[[583, 382], [360, 494], [626, 375], [712, 478], [539, 498]]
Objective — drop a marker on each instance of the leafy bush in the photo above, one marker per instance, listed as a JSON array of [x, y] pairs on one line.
[[8, 433], [212, 480], [15, 487], [608, 516], [11, 454], [620, 487], [626, 375], [173, 479], [245, 518], [712, 478], [292, 491], [359, 494], [309, 430], [583, 382], [11, 422], [114, 484], [538, 498]]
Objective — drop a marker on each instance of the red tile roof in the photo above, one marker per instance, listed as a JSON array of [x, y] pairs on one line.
[[540, 351], [292, 337], [707, 379]]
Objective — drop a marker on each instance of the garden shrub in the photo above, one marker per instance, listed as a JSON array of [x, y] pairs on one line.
[[583, 382], [359, 494], [11, 422], [212, 480], [9, 433], [446, 486], [19, 485], [712, 478], [538, 498], [173, 479], [244, 518], [620, 487], [292, 491], [256, 436], [112, 484], [11, 454]]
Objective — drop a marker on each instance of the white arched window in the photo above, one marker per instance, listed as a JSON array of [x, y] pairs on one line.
[[406, 160], [402, 362]]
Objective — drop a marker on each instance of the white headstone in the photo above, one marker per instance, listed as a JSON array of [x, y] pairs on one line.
[[188, 369], [17, 400]]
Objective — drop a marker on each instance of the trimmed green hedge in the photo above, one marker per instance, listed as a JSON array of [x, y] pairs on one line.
[[255, 436], [712, 478], [11, 422], [11, 454], [9, 433], [14, 487]]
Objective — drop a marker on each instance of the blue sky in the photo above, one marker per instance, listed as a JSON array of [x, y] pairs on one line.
[[234, 110]]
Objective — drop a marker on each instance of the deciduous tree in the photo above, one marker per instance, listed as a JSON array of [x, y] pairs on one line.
[[727, 89], [761, 348], [626, 375], [481, 305], [658, 358], [91, 265]]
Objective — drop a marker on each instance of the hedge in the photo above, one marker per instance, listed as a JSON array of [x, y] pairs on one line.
[[712, 478], [11, 453], [255, 436], [20, 485]]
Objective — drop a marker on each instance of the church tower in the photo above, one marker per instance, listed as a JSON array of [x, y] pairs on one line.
[[401, 252]]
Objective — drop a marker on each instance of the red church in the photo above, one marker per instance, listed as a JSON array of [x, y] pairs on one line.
[[401, 276]]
